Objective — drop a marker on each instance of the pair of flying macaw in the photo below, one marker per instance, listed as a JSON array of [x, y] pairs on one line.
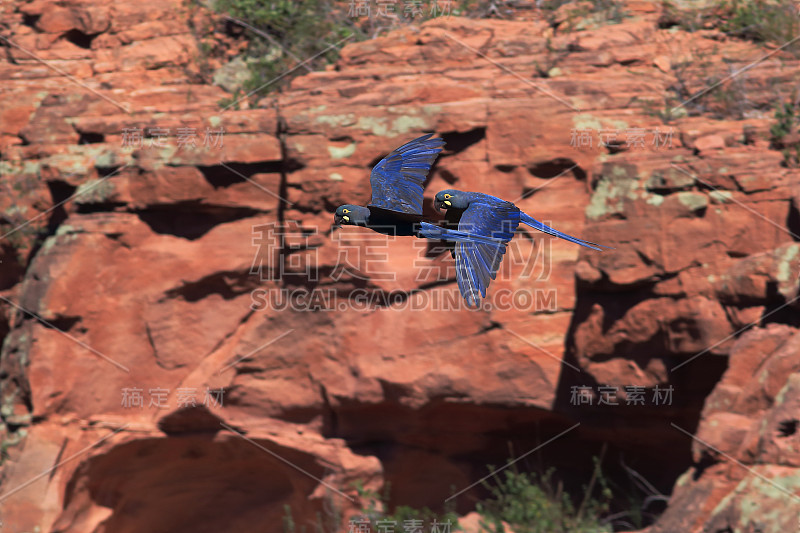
[[478, 226]]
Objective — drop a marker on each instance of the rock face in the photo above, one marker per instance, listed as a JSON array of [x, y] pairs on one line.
[[188, 347], [745, 456]]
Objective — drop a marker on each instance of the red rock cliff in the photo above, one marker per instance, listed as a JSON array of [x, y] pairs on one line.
[[133, 273]]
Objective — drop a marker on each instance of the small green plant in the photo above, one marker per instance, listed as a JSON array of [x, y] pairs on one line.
[[701, 86], [234, 101], [18, 235], [536, 504], [289, 37], [520, 501], [692, 18], [762, 21], [9, 440], [773, 21], [377, 507], [666, 110], [552, 58], [787, 116], [785, 132], [682, 96], [584, 15]]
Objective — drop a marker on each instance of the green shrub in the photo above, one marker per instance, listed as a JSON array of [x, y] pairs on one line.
[[784, 132], [287, 33], [377, 506], [584, 15], [532, 504], [761, 21], [522, 502], [766, 21]]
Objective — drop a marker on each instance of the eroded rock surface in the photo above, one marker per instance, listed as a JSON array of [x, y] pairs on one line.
[[146, 277]]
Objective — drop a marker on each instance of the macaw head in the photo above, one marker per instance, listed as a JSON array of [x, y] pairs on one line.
[[351, 215], [450, 198]]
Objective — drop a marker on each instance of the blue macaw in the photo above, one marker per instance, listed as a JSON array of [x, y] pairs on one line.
[[396, 181], [479, 214], [479, 225], [396, 204]]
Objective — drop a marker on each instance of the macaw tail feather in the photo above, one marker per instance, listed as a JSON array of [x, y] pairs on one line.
[[535, 224]]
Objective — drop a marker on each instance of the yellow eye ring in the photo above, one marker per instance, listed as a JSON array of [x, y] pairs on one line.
[[345, 211], [448, 196]]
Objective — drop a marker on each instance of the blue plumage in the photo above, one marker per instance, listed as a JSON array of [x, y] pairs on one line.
[[481, 215], [397, 178], [478, 227], [396, 181]]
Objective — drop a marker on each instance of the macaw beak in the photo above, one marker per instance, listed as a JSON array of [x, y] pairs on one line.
[[439, 204]]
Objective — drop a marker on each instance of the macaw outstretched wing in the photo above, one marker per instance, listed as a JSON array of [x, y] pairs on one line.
[[397, 178], [484, 230], [476, 262]]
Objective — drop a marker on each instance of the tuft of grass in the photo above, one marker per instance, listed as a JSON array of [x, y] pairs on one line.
[[233, 101], [519, 501], [530, 503], [552, 58], [763, 21], [19, 237], [776, 22], [285, 34], [787, 116], [288, 38], [683, 95], [583, 15], [692, 18], [705, 86], [376, 510], [785, 132]]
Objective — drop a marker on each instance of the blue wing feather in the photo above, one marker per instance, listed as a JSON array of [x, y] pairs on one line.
[[477, 261], [469, 288], [397, 178], [483, 231], [484, 228]]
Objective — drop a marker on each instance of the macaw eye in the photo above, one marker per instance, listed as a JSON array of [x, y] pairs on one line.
[[345, 211], [448, 196]]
